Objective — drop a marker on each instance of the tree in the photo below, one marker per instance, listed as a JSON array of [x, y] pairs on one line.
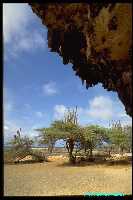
[[88, 141], [48, 136], [118, 137], [92, 136], [21, 146], [70, 132], [128, 132]]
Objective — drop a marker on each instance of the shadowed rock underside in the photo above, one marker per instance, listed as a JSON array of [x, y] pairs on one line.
[[97, 39]]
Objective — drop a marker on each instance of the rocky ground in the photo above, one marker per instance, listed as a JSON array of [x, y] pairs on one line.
[[59, 178]]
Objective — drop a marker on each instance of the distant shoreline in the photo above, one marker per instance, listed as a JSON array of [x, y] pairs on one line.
[[35, 147]]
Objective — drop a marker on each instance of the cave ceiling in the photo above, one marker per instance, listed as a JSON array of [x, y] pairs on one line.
[[97, 39]]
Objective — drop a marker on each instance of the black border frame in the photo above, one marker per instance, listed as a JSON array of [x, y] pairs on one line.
[[2, 130]]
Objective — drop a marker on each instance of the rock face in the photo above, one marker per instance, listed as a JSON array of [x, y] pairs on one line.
[[97, 39]]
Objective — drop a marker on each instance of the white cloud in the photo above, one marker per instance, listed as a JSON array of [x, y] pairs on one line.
[[11, 126], [17, 32], [29, 43], [124, 118], [10, 129], [122, 115], [59, 111], [101, 107], [39, 114], [15, 20], [50, 88], [6, 128], [101, 110], [126, 122]]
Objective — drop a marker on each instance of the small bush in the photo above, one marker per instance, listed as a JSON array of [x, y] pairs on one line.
[[8, 156]]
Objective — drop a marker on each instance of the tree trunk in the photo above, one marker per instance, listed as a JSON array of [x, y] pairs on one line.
[[119, 150], [70, 147], [72, 159], [85, 149], [91, 154], [50, 148], [122, 149]]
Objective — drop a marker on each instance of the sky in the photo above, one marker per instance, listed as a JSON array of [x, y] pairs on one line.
[[38, 88]]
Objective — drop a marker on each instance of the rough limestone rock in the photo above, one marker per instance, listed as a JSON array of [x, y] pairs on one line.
[[96, 38]]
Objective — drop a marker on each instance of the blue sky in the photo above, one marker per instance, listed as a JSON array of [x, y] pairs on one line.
[[38, 87]]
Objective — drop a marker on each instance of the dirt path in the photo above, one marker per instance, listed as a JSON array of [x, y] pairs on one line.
[[51, 178]]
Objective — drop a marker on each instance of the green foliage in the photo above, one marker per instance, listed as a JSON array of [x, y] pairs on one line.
[[120, 137], [128, 132], [50, 135], [86, 138], [21, 146], [47, 136], [68, 130], [92, 136]]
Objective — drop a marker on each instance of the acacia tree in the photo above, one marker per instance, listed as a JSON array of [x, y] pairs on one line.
[[49, 136], [92, 136], [128, 132], [71, 132], [76, 137], [118, 137]]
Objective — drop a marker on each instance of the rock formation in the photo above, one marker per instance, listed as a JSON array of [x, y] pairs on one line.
[[96, 38]]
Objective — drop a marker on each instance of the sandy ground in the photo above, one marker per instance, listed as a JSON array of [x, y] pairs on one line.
[[53, 178]]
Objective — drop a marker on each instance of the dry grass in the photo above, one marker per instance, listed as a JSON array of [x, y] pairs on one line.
[[55, 178]]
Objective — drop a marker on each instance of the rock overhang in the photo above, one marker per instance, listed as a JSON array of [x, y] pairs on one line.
[[96, 39]]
